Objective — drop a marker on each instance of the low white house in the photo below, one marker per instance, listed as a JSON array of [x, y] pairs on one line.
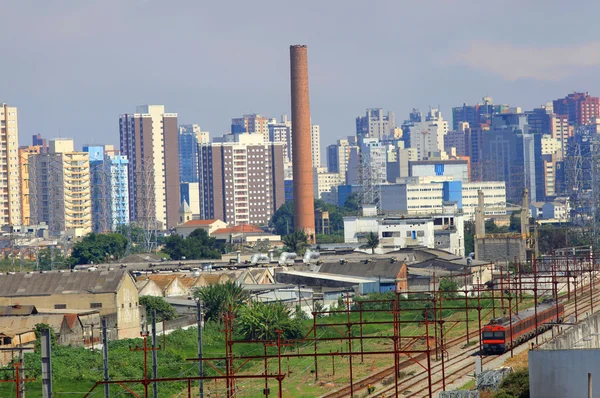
[[443, 231]]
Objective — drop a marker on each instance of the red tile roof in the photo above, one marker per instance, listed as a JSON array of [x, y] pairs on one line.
[[71, 319]]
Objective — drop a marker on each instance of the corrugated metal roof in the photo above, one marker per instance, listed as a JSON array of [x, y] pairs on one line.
[[10, 323], [12, 310], [375, 269], [43, 284]]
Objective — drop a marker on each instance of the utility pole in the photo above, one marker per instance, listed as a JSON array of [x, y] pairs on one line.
[[154, 359], [200, 361], [46, 364], [105, 357]]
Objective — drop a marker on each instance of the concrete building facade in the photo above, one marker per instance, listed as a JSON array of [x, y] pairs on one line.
[[579, 108], [428, 136], [10, 190], [60, 189], [253, 124], [375, 124], [149, 139], [241, 179], [24, 161]]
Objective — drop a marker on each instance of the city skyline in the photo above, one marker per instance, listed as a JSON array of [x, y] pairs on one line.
[[469, 62]]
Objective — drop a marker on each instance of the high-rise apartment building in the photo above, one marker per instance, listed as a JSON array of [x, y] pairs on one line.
[[149, 139], [456, 140], [428, 136], [315, 136], [60, 189], [190, 136], [282, 132], [241, 179], [24, 159], [367, 164], [513, 155], [338, 156], [10, 190], [253, 124], [376, 124], [478, 114], [579, 108], [109, 189]]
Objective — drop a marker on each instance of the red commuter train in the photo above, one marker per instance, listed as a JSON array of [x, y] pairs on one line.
[[496, 335]]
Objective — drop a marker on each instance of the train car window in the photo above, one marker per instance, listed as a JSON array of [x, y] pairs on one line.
[[488, 335], [499, 335]]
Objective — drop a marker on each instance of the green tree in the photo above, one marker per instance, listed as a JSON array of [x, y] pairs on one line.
[[164, 310], [98, 248], [295, 242], [197, 245], [261, 321], [217, 299], [515, 385], [449, 287], [372, 241], [352, 202], [283, 219], [38, 328]]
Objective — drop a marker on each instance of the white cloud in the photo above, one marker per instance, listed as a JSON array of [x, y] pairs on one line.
[[521, 62]]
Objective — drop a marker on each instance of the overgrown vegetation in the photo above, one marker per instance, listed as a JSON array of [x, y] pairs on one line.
[[261, 321], [217, 300], [515, 385]]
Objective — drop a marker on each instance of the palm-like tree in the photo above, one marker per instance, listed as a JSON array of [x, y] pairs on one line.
[[295, 242], [218, 299], [372, 241]]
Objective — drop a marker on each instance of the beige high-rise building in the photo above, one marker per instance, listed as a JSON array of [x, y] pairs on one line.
[[24, 159], [10, 191], [60, 189], [315, 135], [149, 139]]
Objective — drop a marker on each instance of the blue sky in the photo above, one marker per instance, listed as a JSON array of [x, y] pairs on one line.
[[73, 66]]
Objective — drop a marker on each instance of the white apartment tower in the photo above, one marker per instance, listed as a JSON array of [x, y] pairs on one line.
[[428, 136], [149, 139], [282, 132], [10, 198]]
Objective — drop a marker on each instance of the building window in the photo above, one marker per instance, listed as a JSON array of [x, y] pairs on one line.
[[95, 305], [60, 306]]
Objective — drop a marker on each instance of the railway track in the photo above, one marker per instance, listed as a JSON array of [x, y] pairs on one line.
[[455, 367]]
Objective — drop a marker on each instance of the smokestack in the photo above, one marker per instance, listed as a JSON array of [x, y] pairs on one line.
[[304, 211]]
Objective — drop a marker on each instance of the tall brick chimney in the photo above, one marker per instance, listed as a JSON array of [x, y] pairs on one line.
[[304, 211]]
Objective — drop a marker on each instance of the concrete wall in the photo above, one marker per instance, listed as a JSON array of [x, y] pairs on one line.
[[499, 250], [559, 367], [562, 373]]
